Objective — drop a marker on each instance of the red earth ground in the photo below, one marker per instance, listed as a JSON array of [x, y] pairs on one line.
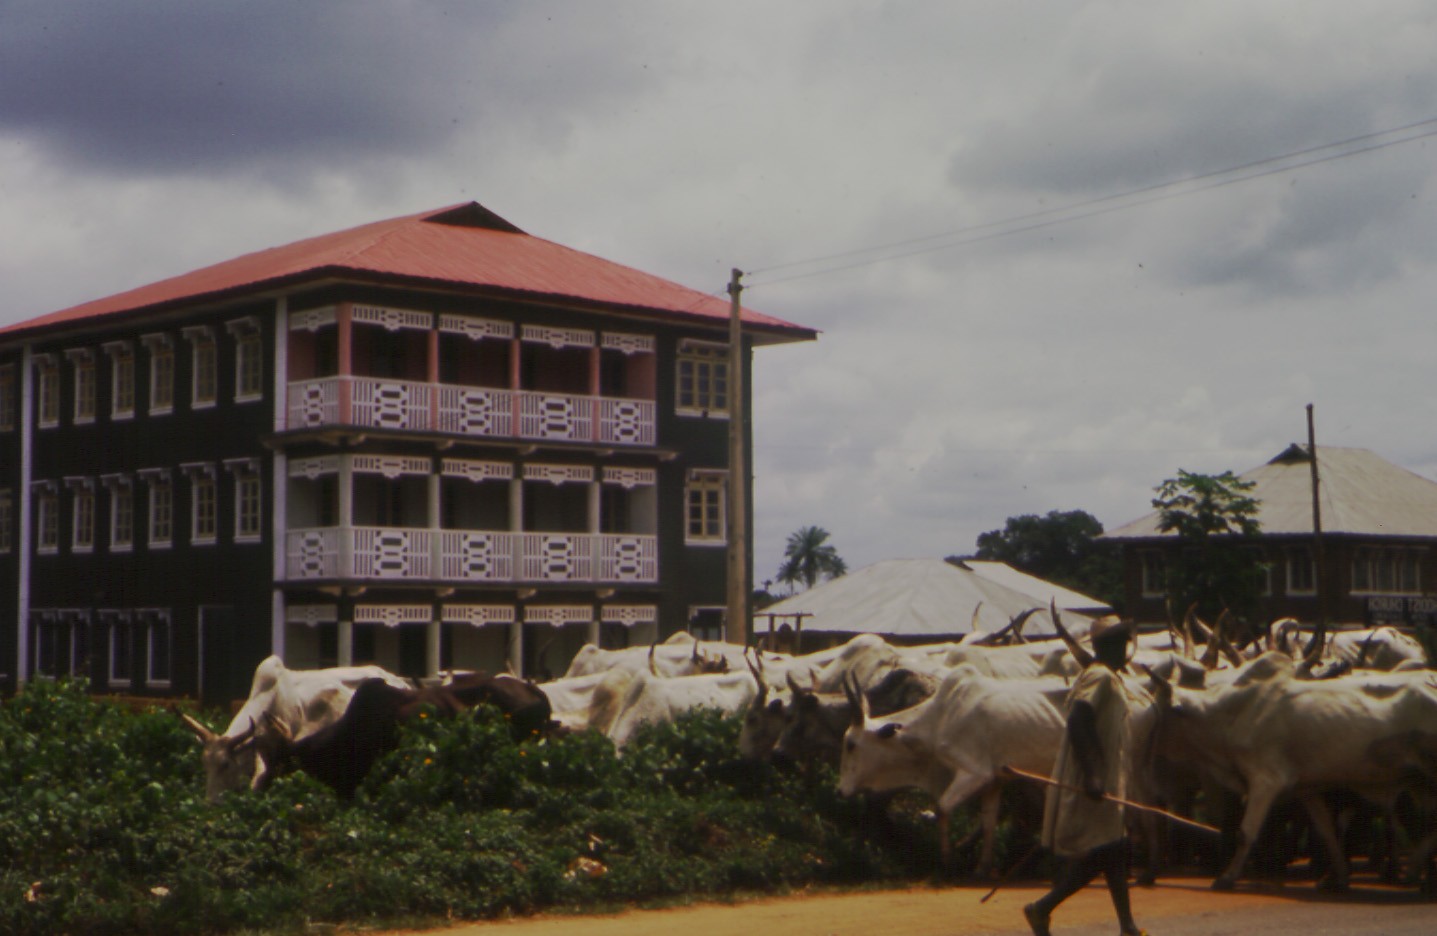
[[1181, 905]]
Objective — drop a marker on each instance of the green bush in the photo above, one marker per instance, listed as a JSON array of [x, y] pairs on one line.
[[104, 827]]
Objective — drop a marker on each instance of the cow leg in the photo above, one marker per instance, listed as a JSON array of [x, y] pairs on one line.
[[988, 812], [1260, 798], [1321, 818], [964, 786]]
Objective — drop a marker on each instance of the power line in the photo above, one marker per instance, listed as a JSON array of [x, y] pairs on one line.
[[1099, 206]]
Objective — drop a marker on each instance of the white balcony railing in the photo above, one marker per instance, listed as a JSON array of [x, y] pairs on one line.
[[469, 411], [404, 554]]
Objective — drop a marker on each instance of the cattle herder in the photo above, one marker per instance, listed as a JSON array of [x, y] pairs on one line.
[[1081, 828]]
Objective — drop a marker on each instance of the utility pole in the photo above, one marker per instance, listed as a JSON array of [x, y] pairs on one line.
[[1319, 573], [736, 616]]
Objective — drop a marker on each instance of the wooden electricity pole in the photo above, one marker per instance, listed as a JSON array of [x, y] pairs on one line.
[[1319, 571], [736, 617]]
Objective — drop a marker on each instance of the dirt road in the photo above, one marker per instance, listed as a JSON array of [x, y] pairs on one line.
[[1181, 907]]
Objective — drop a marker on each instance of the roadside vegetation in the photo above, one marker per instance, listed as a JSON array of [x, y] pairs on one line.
[[104, 827]]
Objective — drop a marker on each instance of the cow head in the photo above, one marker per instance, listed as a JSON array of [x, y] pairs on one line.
[[229, 760], [764, 719], [876, 756]]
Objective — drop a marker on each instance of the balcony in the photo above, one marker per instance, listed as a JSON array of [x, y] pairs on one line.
[[476, 412], [460, 556]]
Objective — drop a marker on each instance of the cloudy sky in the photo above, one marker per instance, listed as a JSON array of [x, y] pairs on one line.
[[1063, 249]]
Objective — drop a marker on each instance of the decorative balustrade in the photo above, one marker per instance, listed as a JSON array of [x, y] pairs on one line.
[[399, 553], [469, 411]]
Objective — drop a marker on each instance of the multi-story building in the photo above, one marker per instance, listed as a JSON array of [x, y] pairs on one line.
[[429, 442], [1378, 543]]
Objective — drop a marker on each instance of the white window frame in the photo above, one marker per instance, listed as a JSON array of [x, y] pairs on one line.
[[249, 507], [699, 368], [159, 508], [158, 626], [1386, 570], [87, 376], [204, 369], [122, 379], [47, 518], [47, 391], [204, 503], [120, 625], [249, 359], [707, 491], [162, 375], [122, 512], [82, 515]]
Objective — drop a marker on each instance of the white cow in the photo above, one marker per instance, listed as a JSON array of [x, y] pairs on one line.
[[1267, 734], [651, 699], [302, 700], [680, 655], [955, 744]]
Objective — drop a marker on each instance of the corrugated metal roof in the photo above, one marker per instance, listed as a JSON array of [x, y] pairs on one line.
[[465, 246], [1360, 493], [914, 598]]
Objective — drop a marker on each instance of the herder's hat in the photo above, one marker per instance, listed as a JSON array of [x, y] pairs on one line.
[[1110, 627]]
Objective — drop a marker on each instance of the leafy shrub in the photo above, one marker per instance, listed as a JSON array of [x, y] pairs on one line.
[[104, 827]]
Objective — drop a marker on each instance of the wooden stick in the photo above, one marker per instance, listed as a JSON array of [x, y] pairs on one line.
[[1010, 872], [1026, 775]]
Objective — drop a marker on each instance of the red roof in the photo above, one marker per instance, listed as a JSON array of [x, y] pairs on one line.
[[464, 246]]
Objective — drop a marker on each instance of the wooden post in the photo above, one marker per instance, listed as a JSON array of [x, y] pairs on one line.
[[1319, 571], [736, 615]]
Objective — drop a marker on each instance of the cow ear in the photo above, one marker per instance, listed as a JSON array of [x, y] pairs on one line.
[[889, 730]]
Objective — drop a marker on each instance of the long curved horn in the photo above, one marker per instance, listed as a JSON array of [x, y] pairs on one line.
[[696, 657], [1017, 623], [1084, 658], [201, 731], [1363, 650], [1319, 640], [1188, 636], [973, 621], [1225, 645], [653, 667], [757, 672]]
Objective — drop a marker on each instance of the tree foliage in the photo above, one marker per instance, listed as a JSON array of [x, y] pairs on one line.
[[809, 557], [1062, 547], [1216, 519]]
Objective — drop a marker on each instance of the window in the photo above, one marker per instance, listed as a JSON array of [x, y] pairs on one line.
[[703, 378], [249, 360], [704, 508], [47, 510], [49, 392], [1155, 573], [203, 516], [157, 643], [162, 512], [1264, 581], [84, 387], [7, 398], [248, 517], [122, 644], [1301, 571], [82, 532], [1386, 570], [162, 373], [205, 377], [47, 645], [7, 521], [122, 516], [122, 379]]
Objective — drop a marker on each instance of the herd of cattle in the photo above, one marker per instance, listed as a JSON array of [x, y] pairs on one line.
[[1327, 723]]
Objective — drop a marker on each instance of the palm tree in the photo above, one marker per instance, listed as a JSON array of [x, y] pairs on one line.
[[807, 558]]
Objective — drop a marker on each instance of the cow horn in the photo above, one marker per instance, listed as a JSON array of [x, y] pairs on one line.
[[973, 621], [1223, 643], [201, 731], [757, 672], [653, 666], [1319, 640], [857, 704], [1084, 658], [1363, 650], [697, 658], [1017, 623], [1188, 636]]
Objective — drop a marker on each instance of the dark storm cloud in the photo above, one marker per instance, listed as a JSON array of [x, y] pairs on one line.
[[175, 86]]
